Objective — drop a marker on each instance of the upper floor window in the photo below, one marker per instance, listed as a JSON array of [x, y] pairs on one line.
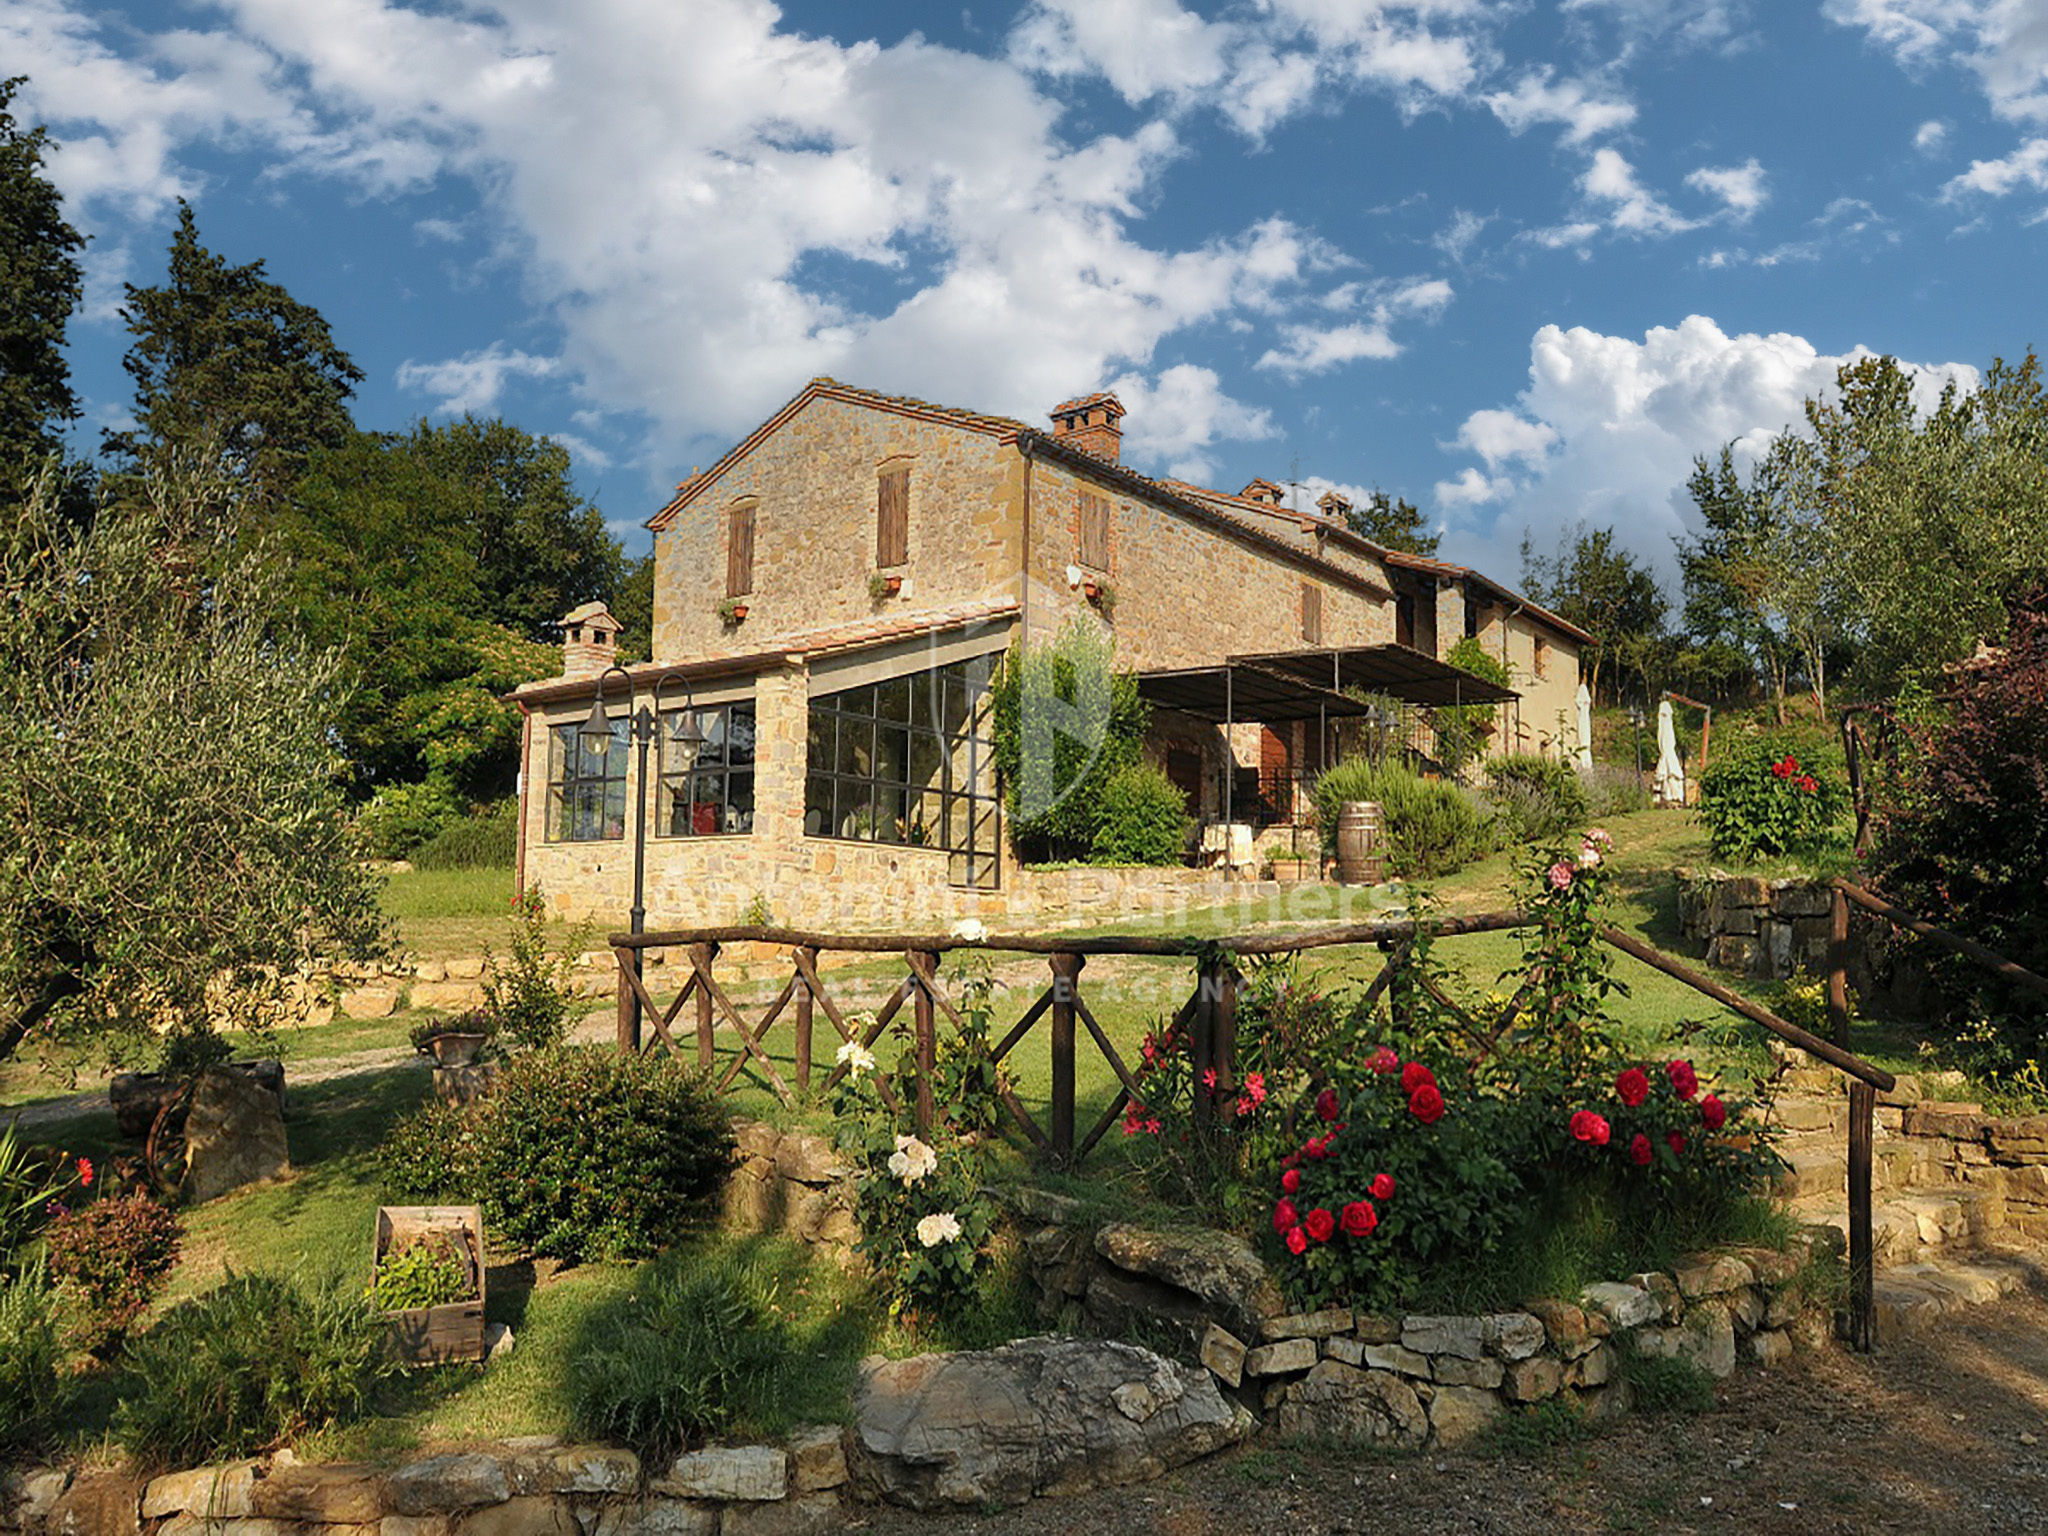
[[1094, 550], [1311, 613], [714, 794], [892, 517], [739, 550], [586, 788]]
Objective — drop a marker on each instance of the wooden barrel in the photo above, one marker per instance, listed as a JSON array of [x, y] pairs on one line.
[[1359, 857]]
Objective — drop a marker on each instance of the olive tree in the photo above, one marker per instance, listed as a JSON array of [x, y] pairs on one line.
[[172, 830]]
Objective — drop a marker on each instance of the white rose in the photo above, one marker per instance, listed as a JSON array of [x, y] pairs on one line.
[[971, 929], [944, 1227], [912, 1159], [856, 1056], [1589, 857]]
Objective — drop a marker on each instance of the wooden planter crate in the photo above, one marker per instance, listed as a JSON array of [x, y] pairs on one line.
[[445, 1334]]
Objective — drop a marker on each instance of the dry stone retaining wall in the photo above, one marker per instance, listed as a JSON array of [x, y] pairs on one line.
[[1414, 1380]]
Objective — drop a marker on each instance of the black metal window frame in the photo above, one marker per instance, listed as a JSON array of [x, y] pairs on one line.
[[910, 762], [719, 787], [586, 789]]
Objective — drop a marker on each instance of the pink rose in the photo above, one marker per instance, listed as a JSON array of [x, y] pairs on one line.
[[1560, 876]]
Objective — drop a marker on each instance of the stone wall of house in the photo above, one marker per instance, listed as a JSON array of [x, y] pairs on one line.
[[813, 486], [1186, 595], [1344, 1377]]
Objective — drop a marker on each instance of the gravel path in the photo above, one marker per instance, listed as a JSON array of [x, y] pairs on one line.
[[1938, 1434]]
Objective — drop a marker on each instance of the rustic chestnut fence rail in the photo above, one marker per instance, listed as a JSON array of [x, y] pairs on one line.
[[1208, 1018]]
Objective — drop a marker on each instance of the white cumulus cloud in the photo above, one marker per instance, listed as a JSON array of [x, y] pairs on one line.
[[1608, 427], [474, 381], [1740, 187], [1584, 111], [1631, 208], [1310, 349], [1174, 421]]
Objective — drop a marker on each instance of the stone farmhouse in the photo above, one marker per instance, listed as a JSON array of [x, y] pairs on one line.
[[831, 600]]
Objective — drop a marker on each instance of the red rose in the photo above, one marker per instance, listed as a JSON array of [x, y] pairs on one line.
[[1809, 784], [1290, 1181], [1360, 1218], [1384, 1061], [1326, 1105], [1677, 1144], [1383, 1186], [1321, 1225], [1684, 1081], [1587, 1126], [1317, 1147], [1632, 1087], [1285, 1216], [1297, 1241], [1426, 1104], [1713, 1113], [1639, 1150], [1414, 1076]]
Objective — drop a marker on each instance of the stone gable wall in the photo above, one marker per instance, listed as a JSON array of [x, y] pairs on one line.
[[814, 484]]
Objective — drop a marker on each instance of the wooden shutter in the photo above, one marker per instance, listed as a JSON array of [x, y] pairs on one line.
[[1311, 613], [892, 518], [739, 552], [1095, 532]]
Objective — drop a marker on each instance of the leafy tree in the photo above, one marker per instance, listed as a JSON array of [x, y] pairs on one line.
[[384, 544], [1461, 729], [172, 828], [1934, 526], [1392, 524], [1604, 590], [225, 357], [539, 548], [633, 606], [1066, 724], [40, 282]]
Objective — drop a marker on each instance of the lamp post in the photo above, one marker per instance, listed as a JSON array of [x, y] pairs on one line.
[[643, 728]]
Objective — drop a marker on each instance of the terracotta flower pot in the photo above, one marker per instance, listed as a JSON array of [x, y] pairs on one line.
[[453, 1050]]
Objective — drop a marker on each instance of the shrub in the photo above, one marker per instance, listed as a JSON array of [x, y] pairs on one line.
[[529, 994], [701, 1347], [1065, 721], [1461, 729], [1614, 792], [246, 1367], [486, 839], [112, 1256], [1541, 799], [1144, 818], [585, 1153], [31, 1361], [1962, 839], [401, 817], [1760, 798], [433, 1154], [1430, 828], [190, 1048]]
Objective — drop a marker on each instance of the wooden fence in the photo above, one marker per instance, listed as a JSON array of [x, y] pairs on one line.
[[1208, 1017]]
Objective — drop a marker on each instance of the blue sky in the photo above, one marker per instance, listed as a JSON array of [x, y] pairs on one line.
[[1517, 261]]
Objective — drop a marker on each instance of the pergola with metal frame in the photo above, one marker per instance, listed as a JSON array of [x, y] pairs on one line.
[[1284, 686]]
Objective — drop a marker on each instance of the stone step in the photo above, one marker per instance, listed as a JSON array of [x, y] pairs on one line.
[[1914, 1297], [1906, 1227], [1812, 1168]]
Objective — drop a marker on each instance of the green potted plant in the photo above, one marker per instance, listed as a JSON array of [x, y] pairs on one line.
[[456, 1041], [882, 586], [1289, 867], [732, 610], [427, 1278]]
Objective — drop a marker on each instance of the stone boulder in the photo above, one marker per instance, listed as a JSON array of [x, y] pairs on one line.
[[1220, 1270], [1339, 1404], [233, 1136], [1040, 1416]]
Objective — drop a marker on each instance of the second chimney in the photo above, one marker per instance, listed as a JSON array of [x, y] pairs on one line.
[[1090, 424], [590, 640]]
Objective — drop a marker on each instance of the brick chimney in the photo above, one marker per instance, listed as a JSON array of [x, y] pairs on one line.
[[1264, 492], [590, 640], [1090, 424], [1333, 506]]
